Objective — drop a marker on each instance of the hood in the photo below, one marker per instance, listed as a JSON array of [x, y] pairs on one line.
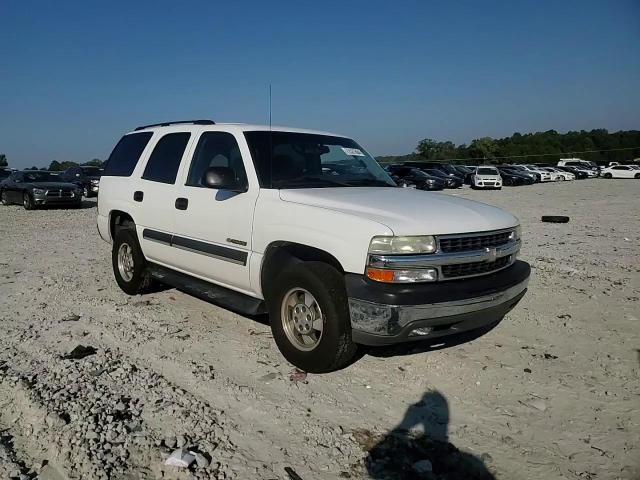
[[51, 185], [488, 177], [406, 211]]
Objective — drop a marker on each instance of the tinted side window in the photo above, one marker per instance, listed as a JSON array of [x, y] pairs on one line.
[[216, 149], [126, 154], [165, 159]]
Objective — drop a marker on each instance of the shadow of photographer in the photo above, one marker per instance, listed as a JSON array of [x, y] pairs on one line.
[[419, 447]]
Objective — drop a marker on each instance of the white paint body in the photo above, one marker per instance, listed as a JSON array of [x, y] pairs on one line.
[[485, 180], [620, 171], [340, 221]]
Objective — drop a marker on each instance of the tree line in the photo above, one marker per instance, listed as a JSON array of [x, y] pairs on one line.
[[56, 166], [541, 147]]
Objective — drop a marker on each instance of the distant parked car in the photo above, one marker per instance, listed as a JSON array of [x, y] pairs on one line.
[[445, 168], [579, 174], [545, 176], [620, 171], [564, 174], [417, 177], [486, 177], [513, 178], [450, 181], [521, 170], [33, 188], [86, 177]]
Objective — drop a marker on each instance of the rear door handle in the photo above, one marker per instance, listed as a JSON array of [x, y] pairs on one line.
[[138, 196], [182, 203]]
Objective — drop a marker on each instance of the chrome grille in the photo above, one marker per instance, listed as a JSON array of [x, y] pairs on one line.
[[473, 242], [59, 193], [474, 268]]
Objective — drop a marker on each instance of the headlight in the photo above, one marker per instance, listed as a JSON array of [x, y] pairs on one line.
[[516, 234], [38, 191], [403, 245]]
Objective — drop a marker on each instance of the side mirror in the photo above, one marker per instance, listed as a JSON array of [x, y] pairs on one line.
[[221, 178]]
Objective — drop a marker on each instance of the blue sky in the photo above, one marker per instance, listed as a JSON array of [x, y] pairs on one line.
[[76, 75]]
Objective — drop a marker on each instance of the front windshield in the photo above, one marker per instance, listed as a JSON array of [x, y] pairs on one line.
[[32, 177], [487, 171], [302, 160], [92, 171]]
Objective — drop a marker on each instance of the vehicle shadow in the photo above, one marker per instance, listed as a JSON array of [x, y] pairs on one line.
[[418, 447], [83, 205]]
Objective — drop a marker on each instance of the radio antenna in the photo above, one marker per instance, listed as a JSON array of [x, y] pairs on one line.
[[270, 142], [269, 107]]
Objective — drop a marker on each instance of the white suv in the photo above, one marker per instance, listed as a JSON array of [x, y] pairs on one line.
[[308, 227], [486, 177]]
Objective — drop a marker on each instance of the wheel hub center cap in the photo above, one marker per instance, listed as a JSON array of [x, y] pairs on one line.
[[302, 318]]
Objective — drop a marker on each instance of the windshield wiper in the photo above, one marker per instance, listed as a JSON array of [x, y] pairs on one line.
[[310, 179], [369, 182]]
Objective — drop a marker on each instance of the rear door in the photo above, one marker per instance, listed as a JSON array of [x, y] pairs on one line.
[[155, 196], [213, 228]]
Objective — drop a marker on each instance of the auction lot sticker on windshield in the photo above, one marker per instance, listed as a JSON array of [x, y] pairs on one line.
[[354, 152]]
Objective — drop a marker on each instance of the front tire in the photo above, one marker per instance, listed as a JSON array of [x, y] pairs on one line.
[[608, 176], [4, 199], [637, 176], [310, 318], [129, 264], [27, 202]]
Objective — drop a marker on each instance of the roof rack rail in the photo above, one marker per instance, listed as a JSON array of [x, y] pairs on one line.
[[166, 124]]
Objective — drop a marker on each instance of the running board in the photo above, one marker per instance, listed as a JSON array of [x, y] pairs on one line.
[[207, 291]]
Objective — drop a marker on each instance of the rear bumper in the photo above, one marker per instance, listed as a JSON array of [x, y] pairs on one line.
[[383, 314]]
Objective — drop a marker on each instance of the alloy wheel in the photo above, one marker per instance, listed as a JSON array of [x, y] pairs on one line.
[[302, 319]]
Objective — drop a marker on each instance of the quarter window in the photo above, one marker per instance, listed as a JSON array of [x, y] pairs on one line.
[[216, 149], [125, 155], [165, 159]]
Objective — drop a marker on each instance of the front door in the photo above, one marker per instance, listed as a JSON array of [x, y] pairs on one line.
[[213, 231]]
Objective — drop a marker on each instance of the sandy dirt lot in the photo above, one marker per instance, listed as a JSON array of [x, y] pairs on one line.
[[550, 393]]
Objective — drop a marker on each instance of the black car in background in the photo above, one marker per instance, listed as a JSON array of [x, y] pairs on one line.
[[445, 168], [512, 178], [414, 176], [4, 173], [580, 174], [450, 181], [519, 169], [33, 188], [86, 177]]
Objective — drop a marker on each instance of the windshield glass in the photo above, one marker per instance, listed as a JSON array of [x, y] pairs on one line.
[[487, 171], [4, 173], [40, 177], [92, 171], [303, 160]]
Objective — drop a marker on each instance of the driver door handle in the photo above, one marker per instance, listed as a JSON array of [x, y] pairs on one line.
[[182, 203]]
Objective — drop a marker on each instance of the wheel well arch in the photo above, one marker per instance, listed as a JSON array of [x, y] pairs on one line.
[[117, 220], [281, 254]]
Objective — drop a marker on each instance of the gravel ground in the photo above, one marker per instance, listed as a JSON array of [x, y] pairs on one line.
[[550, 393]]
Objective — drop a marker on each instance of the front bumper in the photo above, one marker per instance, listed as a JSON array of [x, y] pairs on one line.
[[57, 200], [384, 314]]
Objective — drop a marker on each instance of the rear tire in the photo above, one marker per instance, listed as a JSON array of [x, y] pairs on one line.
[[27, 202], [129, 264], [4, 199], [608, 176], [637, 175], [318, 292]]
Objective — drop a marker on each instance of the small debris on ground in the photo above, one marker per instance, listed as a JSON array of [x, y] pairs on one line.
[[180, 458], [80, 352]]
